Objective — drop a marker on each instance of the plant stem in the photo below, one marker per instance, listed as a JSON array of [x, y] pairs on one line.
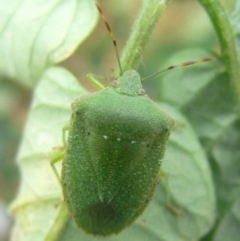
[[142, 28], [225, 31]]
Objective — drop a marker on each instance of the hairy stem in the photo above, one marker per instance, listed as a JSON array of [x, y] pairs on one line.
[[225, 31], [142, 29]]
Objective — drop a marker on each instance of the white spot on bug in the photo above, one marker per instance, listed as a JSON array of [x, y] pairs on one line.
[[133, 142], [105, 137]]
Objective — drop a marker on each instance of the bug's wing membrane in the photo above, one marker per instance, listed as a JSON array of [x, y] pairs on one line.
[[114, 160]]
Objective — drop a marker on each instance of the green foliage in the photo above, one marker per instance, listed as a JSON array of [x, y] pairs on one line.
[[202, 158], [37, 34]]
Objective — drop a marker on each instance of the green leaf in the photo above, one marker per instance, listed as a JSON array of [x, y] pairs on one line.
[[228, 228], [204, 94], [37, 34], [213, 114], [180, 86], [225, 157], [40, 197], [38, 206], [207, 100], [210, 120]]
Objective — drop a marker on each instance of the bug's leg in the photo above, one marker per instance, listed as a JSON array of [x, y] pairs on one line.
[[60, 152], [169, 202], [64, 135], [94, 81], [56, 158]]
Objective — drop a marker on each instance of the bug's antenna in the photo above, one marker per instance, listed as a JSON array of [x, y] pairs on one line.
[[181, 65], [112, 36]]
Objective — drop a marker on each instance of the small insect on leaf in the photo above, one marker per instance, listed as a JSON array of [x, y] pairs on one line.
[[117, 139]]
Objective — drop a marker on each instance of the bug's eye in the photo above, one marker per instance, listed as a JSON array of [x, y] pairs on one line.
[[142, 92], [115, 83]]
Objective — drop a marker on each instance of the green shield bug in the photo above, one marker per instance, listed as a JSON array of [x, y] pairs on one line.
[[117, 139]]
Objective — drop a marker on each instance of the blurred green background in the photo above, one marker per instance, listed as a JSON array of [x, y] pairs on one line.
[[183, 25]]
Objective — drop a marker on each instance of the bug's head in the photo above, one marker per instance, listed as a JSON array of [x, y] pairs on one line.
[[129, 83]]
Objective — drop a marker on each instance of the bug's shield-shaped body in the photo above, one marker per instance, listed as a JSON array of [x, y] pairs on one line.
[[116, 143]]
